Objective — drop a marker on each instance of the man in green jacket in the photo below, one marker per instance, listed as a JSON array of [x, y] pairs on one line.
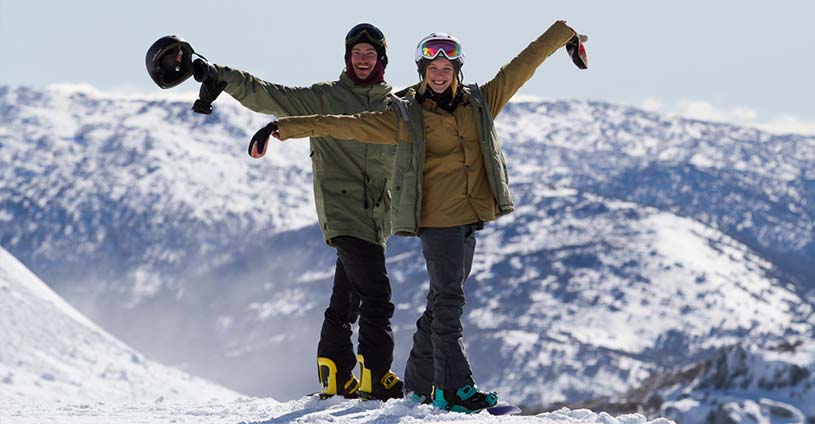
[[352, 195]]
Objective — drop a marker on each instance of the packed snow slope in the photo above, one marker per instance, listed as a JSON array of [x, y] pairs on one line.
[[302, 411], [641, 244], [50, 353]]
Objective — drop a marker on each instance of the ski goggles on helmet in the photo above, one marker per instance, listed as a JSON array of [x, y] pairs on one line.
[[432, 48], [365, 32]]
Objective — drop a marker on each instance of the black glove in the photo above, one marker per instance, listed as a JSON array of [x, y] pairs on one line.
[[577, 52], [204, 71], [211, 85], [262, 137]]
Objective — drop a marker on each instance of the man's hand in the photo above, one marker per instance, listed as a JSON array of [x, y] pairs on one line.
[[577, 52], [257, 147], [204, 71], [211, 85]]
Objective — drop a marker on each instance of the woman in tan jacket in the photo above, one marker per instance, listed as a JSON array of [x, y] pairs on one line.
[[449, 179]]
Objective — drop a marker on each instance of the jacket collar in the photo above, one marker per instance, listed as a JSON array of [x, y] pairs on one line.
[[380, 89], [408, 91]]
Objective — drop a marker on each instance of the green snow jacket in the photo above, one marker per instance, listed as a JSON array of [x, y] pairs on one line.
[[351, 179]]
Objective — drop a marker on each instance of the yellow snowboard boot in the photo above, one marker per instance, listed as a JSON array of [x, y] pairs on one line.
[[334, 384], [378, 384]]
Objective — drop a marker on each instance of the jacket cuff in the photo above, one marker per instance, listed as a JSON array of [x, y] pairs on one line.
[[296, 127], [561, 31]]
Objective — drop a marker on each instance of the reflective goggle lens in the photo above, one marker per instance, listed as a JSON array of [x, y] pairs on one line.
[[432, 48]]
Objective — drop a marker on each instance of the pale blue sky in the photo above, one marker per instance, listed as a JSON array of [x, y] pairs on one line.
[[735, 60]]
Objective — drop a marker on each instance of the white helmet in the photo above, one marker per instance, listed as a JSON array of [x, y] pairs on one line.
[[439, 43]]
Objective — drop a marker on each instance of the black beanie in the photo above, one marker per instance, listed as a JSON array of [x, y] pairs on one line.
[[363, 36]]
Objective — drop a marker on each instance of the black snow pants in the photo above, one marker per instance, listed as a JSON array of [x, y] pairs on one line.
[[361, 288], [438, 357]]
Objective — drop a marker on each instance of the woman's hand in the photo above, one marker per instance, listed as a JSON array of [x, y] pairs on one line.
[[575, 49], [257, 147]]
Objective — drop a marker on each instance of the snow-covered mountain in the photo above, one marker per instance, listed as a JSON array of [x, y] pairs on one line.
[[589, 294], [739, 384], [757, 187], [50, 352], [747, 384], [641, 244]]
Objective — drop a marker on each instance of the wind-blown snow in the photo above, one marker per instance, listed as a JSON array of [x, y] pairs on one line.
[[50, 352]]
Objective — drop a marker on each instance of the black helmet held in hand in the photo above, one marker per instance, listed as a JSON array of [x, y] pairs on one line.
[[169, 61]]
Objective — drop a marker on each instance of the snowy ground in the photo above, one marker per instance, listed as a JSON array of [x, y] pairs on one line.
[[308, 410]]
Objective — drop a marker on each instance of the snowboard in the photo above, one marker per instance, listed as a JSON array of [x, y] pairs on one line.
[[503, 410]]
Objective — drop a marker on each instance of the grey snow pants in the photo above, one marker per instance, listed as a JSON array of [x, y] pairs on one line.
[[438, 357]]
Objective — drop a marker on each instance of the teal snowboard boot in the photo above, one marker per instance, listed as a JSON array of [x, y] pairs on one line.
[[466, 399]]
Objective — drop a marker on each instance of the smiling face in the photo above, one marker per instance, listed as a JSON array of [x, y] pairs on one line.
[[363, 60], [440, 74]]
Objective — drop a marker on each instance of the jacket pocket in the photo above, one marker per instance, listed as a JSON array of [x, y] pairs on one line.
[[342, 198]]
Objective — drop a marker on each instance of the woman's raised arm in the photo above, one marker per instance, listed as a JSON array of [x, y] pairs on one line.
[[519, 70]]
